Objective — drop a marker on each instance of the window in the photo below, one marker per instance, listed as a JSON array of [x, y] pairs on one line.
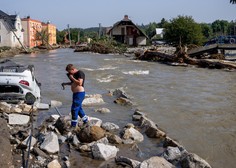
[[0, 39], [19, 26]]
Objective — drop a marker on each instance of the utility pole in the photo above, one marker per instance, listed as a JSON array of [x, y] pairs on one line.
[[100, 31], [78, 37], [69, 33]]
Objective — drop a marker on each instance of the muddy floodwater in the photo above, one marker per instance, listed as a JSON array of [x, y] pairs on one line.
[[195, 106]]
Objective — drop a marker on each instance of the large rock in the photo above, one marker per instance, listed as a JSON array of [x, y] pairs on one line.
[[151, 129], [102, 110], [62, 124], [123, 101], [155, 162], [170, 142], [90, 134], [93, 121], [50, 143], [110, 126], [42, 106], [194, 161], [114, 139], [104, 152], [133, 134], [87, 147], [26, 142], [18, 119], [5, 107], [127, 161], [93, 100], [54, 164], [55, 103], [119, 92], [174, 154]]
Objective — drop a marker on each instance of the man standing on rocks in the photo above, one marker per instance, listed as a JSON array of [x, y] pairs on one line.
[[77, 78]]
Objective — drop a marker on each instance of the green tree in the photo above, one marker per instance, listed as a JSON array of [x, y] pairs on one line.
[[206, 30], [232, 28], [151, 29], [162, 23], [183, 30], [60, 37], [220, 27], [43, 36]]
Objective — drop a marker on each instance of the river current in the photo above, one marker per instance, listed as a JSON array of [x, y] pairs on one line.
[[195, 106]]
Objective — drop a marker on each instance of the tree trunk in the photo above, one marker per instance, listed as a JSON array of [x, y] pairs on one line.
[[180, 57]]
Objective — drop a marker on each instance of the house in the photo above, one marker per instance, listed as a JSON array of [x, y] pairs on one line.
[[11, 32], [32, 28], [126, 32], [160, 32], [157, 39]]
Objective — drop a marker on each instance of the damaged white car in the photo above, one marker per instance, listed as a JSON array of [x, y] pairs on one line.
[[18, 82]]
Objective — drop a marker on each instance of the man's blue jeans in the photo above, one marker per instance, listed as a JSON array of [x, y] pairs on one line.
[[76, 108]]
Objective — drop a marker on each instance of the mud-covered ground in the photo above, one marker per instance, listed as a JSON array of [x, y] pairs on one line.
[[5, 146]]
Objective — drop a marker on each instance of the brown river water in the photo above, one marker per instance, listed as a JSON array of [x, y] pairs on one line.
[[195, 106]]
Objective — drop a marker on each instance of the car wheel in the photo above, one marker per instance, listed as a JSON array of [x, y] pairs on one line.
[[30, 98]]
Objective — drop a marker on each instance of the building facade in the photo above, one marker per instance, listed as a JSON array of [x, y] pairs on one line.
[[38, 33], [126, 32], [51, 31], [11, 32], [32, 29]]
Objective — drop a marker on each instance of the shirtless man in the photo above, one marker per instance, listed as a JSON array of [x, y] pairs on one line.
[[77, 78]]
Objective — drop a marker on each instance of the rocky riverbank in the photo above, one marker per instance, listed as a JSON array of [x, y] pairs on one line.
[[11, 52], [51, 144]]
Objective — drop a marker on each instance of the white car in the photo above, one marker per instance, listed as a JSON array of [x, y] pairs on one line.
[[18, 82]]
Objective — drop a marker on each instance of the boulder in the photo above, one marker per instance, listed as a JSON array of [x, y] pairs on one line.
[[18, 119], [93, 100], [50, 143], [156, 161], [132, 133], [62, 124], [194, 161], [54, 164], [127, 161], [102, 110], [90, 134], [5, 107], [110, 126], [104, 152], [114, 139]]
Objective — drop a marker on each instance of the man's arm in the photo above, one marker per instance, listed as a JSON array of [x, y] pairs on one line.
[[78, 81], [63, 84]]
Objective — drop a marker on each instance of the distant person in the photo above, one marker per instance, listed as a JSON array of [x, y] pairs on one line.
[[77, 78]]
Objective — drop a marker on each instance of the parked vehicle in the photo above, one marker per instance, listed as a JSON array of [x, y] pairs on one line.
[[18, 82], [222, 40]]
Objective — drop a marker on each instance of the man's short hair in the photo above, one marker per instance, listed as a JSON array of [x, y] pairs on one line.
[[69, 67]]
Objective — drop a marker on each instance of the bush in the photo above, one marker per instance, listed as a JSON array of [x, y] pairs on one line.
[[4, 48]]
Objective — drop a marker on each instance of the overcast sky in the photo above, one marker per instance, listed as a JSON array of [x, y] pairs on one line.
[[89, 13]]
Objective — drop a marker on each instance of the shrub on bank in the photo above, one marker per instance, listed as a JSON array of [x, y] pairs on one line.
[[4, 48], [105, 46]]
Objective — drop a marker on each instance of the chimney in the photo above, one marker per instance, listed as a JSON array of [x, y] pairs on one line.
[[126, 17]]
